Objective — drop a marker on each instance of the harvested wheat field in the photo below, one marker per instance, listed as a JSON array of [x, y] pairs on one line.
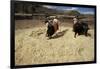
[[32, 47]]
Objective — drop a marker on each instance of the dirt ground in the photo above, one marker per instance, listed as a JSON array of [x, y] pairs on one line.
[[32, 46]]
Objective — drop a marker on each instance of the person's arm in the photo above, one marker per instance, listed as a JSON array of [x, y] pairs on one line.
[[59, 24]]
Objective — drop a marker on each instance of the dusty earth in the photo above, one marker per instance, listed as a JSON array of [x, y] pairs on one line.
[[32, 47]]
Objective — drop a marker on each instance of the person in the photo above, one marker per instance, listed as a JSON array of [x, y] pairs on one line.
[[52, 26], [49, 28], [56, 24], [75, 20]]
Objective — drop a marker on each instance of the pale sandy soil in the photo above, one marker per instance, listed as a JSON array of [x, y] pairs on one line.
[[32, 47]]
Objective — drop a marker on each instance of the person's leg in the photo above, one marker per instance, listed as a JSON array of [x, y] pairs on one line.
[[75, 34]]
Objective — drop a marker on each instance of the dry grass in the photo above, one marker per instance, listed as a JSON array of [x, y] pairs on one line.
[[32, 47]]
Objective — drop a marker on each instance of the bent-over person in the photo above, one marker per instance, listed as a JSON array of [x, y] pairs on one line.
[[56, 24]]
